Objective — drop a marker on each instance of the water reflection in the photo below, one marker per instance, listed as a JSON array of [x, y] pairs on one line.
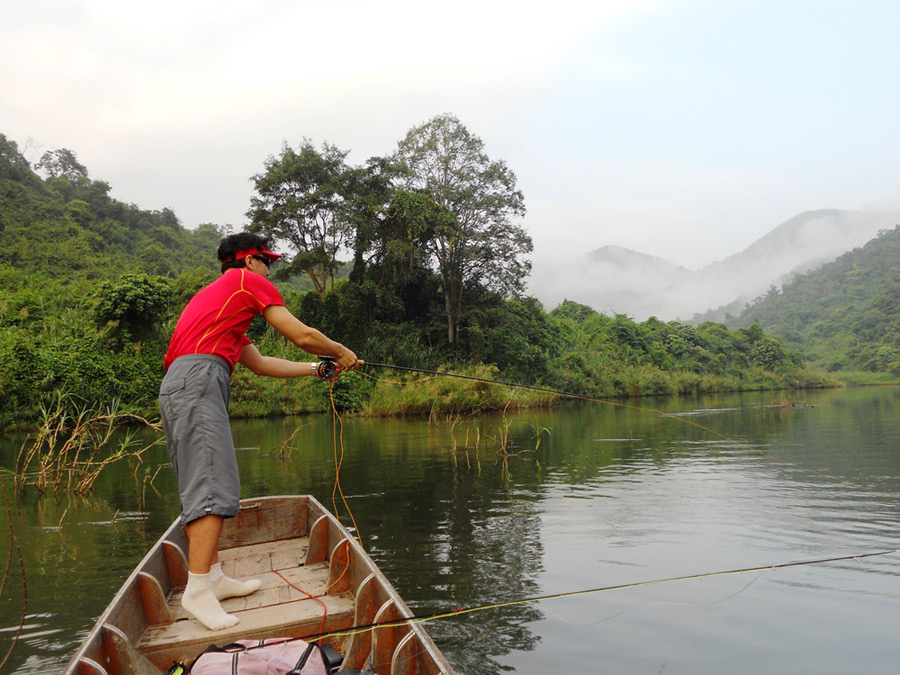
[[612, 496]]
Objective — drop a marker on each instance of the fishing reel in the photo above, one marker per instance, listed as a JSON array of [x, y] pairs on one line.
[[325, 369]]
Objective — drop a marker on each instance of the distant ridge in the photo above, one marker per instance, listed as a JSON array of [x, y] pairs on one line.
[[616, 280], [843, 315]]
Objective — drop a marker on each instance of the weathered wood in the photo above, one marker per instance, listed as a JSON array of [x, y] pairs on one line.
[[154, 600], [176, 562], [304, 559], [359, 644], [265, 519], [405, 660], [183, 640], [123, 660], [273, 590], [318, 541], [385, 638], [91, 667], [128, 613], [339, 577], [248, 561]]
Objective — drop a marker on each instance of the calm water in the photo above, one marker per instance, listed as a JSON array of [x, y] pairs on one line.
[[611, 496]]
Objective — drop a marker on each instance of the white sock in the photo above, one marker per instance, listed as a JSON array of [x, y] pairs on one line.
[[226, 587], [200, 601]]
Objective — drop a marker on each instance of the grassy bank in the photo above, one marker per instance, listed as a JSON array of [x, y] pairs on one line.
[[382, 392]]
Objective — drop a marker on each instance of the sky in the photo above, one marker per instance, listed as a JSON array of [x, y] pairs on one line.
[[684, 129]]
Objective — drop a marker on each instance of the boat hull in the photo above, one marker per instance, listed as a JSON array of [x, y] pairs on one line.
[[317, 583]]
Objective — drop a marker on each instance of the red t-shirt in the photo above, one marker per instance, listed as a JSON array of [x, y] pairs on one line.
[[215, 320]]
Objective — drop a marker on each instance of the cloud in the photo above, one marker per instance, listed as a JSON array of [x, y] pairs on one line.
[[678, 131]]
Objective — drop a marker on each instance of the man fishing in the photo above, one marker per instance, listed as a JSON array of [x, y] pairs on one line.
[[209, 338]]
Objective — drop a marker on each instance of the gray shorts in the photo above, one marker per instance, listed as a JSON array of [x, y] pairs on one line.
[[193, 403]]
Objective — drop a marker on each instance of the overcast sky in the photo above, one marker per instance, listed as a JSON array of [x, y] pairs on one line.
[[680, 129]]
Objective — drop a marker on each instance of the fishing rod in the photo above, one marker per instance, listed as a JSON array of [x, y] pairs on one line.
[[416, 619], [327, 370], [481, 379]]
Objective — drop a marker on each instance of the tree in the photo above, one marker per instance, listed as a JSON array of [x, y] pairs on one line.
[[62, 163], [368, 191], [301, 200], [406, 237], [443, 159], [135, 305]]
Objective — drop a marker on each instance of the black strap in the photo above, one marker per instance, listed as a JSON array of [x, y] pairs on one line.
[[303, 659]]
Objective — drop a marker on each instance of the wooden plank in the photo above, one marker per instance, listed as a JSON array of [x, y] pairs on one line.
[[385, 638], [128, 612], [339, 576], [155, 565], [405, 660], [91, 667], [184, 640], [123, 660], [265, 519], [248, 561], [361, 566], [273, 590]]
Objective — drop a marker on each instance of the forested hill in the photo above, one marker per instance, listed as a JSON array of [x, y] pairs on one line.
[[845, 315], [68, 227], [90, 288]]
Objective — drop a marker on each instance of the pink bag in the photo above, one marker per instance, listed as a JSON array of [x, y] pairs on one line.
[[277, 656]]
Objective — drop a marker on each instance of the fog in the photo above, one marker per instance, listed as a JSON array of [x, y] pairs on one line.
[[614, 280]]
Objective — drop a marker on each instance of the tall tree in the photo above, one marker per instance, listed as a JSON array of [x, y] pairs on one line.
[[62, 163], [301, 199], [443, 159]]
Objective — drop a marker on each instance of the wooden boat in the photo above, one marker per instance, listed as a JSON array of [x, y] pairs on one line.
[[333, 586]]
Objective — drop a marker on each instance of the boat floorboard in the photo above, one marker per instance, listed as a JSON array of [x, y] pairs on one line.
[[277, 608], [189, 636]]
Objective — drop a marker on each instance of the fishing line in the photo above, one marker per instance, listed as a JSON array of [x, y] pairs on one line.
[[759, 570], [671, 604], [338, 462], [354, 630], [557, 392]]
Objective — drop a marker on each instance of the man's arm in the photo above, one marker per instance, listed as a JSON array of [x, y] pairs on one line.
[[308, 339], [271, 365]]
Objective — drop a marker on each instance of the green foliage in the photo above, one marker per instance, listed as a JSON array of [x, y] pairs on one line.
[[440, 396], [78, 261], [482, 245], [842, 316], [135, 304], [91, 288], [301, 199]]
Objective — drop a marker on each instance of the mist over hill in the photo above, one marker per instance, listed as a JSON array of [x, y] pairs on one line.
[[615, 280]]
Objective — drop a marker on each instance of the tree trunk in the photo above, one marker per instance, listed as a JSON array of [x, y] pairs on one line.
[[452, 305]]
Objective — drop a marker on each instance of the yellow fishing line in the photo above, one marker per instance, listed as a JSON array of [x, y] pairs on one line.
[[590, 591]]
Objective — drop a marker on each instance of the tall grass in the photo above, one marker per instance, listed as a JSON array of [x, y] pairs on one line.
[[73, 444], [432, 395]]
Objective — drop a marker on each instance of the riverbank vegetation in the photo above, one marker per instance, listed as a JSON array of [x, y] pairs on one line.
[[843, 316], [91, 288]]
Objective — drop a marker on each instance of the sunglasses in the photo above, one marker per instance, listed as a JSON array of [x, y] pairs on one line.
[[263, 259]]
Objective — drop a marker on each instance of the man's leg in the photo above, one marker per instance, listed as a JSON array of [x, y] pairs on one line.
[[203, 551], [203, 543]]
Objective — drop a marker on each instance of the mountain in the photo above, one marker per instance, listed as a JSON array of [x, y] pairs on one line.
[[844, 315], [612, 279]]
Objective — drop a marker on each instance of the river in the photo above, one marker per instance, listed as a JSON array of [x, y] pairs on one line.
[[494, 510]]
